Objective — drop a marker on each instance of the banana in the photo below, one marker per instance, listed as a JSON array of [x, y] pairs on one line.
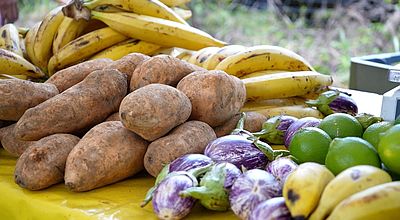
[[22, 31], [200, 56], [298, 111], [29, 39], [10, 38], [260, 104], [262, 73], [375, 203], [152, 8], [5, 76], [83, 47], [68, 30], [126, 47], [303, 188], [158, 31], [283, 85], [183, 13], [347, 183], [13, 64], [185, 55], [222, 54], [43, 40], [263, 57], [163, 50], [172, 3]]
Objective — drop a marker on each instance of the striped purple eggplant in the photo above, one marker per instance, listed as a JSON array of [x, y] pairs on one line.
[[297, 125], [280, 168], [272, 209], [274, 128], [334, 101], [250, 189]]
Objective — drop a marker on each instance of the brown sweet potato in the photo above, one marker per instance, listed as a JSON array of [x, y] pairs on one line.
[[11, 144], [163, 69], [72, 75], [106, 154], [113, 117], [128, 64], [19, 95], [81, 106], [252, 123], [190, 137], [152, 111], [215, 96], [43, 163]]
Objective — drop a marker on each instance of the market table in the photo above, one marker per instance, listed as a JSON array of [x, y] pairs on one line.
[[117, 201]]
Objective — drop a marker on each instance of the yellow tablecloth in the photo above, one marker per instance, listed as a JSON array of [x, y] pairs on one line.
[[117, 201]]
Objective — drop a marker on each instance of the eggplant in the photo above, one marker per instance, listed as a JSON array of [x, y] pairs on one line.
[[272, 209], [280, 168], [274, 129], [214, 187], [250, 189], [297, 125], [367, 120], [334, 101]]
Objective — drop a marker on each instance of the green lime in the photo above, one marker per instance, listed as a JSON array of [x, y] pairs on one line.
[[341, 125], [372, 133], [389, 149], [310, 144], [350, 151]]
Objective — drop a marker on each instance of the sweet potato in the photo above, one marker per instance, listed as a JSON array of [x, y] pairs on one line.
[[19, 95], [163, 69], [252, 123], [72, 75], [153, 110], [128, 64], [81, 106], [11, 144], [113, 117], [43, 163], [190, 137], [106, 154], [215, 96]]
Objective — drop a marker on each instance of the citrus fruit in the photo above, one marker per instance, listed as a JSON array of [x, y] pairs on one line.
[[310, 144], [389, 149], [372, 133], [341, 125], [348, 152]]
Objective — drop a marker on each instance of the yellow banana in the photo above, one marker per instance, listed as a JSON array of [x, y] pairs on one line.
[[172, 3], [185, 55], [126, 47], [283, 85], [273, 103], [5, 76], [303, 188], [84, 47], [263, 57], [10, 39], [375, 203], [29, 39], [158, 31], [200, 56], [347, 183], [186, 14], [222, 54], [13, 64], [262, 73], [68, 30], [152, 8], [298, 111]]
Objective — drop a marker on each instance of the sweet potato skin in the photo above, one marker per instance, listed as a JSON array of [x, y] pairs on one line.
[[215, 96], [128, 64], [252, 123], [19, 95], [72, 75], [190, 137], [12, 144], [106, 154], [81, 106], [113, 117], [153, 110], [43, 163]]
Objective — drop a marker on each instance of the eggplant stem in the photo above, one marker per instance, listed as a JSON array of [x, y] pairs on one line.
[[195, 192], [148, 197]]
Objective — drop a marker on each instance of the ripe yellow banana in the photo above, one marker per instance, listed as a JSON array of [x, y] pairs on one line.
[[200, 56], [158, 31], [283, 85], [10, 39], [152, 8], [84, 47], [186, 14], [262, 73], [126, 47], [172, 3], [29, 45], [5, 76], [68, 30], [222, 54], [43, 40], [14, 64], [185, 55], [263, 57], [303, 188], [260, 104], [375, 203], [347, 183], [298, 111]]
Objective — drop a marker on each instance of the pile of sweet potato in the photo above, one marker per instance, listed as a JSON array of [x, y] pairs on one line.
[[102, 121]]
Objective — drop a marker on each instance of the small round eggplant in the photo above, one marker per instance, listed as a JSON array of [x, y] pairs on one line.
[[167, 203], [274, 128], [297, 125], [250, 189], [272, 209], [280, 168], [334, 101]]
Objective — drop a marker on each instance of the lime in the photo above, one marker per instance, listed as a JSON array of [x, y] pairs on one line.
[[348, 152], [389, 149], [372, 133], [310, 144], [341, 125]]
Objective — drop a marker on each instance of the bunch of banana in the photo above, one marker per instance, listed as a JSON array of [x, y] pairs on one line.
[[9, 39]]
